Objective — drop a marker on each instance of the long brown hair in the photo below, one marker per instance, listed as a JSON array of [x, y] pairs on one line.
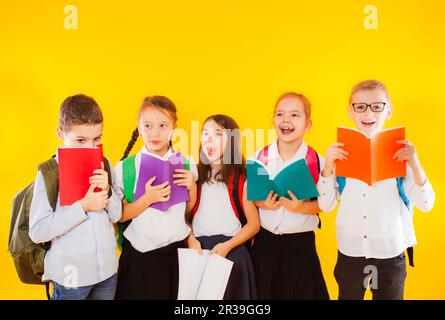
[[236, 163]]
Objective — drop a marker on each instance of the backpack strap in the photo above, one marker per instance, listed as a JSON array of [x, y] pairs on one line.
[[341, 183], [263, 155], [198, 199], [186, 163], [129, 181], [236, 189], [313, 163], [129, 177], [404, 197], [50, 173]]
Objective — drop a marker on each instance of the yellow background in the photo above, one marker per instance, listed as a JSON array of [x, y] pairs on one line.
[[232, 57]]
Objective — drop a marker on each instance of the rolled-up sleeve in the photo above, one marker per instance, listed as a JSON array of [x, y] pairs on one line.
[[46, 224]]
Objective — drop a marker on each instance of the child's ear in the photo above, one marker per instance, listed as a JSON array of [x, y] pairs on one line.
[[389, 115], [350, 112], [308, 126], [60, 134]]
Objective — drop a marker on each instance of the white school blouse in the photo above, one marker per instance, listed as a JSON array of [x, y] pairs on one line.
[[83, 245], [215, 214], [153, 229], [282, 221], [372, 221]]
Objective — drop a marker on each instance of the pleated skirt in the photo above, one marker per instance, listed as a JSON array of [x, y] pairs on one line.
[[153, 275], [287, 267]]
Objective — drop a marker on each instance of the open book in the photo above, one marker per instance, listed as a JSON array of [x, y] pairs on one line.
[[163, 169], [370, 159], [295, 177], [76, 166], [202, 276]]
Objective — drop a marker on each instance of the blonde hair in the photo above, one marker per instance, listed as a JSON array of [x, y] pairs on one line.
[[368, 85], [299, 96]]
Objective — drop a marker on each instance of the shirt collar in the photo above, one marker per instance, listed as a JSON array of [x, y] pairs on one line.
[[169, 152], [273, 153]]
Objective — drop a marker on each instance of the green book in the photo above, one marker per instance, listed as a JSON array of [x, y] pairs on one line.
[[295, 177]]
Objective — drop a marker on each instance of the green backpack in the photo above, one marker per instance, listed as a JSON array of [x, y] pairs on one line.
[[129, 181], [28, 256]]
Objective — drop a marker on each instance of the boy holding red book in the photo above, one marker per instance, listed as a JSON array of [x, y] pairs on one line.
[[82, 261]]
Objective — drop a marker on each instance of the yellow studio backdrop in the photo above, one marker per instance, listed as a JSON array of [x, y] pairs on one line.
[[222, 57]]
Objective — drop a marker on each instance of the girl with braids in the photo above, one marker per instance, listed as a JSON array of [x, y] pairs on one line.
[[148, 267], [223, 220]]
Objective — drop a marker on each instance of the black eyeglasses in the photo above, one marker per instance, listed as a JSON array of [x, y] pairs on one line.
[[361, 107]]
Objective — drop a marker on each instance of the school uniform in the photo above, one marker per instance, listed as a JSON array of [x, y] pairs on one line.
[[148, 267], [284, 254], [214, 222], [82, 257], [373, 227]]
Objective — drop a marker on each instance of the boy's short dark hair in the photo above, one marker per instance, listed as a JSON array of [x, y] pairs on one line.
[[77, 110]]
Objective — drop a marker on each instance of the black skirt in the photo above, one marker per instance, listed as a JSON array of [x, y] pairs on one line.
[[241, 285], [287, 267], [151, 275]]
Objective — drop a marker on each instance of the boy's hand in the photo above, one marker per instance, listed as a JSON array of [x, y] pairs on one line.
[[184, 178], [407, 153], [159, 193], [100, 178], [333, 154], [270, 203], [293, 205], [193, 243], [94, 201], [221, 249]]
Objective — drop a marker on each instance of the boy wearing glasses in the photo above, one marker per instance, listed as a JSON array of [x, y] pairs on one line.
[[374, 225]]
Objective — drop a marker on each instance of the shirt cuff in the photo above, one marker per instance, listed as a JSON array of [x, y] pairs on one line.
[[325, 184]]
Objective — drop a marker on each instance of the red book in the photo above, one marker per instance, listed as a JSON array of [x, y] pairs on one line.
[[76, 166]]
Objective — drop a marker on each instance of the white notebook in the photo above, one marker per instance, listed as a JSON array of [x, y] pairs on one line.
[[202, 276]]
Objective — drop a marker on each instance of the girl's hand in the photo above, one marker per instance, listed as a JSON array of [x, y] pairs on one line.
[[184, 178], [293, 205], [159, 193], [193, 243], [333, 154], [407, 153], [221, 249], [100, 178], [270, 203]]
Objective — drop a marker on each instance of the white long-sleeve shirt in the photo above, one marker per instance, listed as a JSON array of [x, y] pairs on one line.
[[373, 221], [83, 245]]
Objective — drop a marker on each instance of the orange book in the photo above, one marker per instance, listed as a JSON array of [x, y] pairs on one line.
[[370, 159]]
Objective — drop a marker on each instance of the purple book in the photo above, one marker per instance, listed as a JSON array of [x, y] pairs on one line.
[[163, 170]]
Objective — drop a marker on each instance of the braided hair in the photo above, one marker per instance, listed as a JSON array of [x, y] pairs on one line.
[[134, 138], [160, 102]]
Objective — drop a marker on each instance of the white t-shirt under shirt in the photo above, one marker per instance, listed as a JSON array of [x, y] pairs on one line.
[[153, 229], [282, 221], [215, 214]]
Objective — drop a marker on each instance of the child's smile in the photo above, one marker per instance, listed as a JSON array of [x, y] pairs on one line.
[[287, 129], [368, 121]]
